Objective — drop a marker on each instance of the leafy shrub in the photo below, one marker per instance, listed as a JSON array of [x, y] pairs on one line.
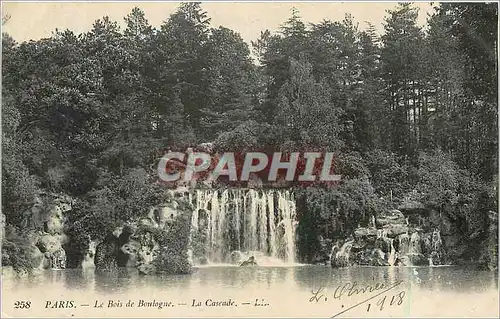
[[174, 241], [18, 252]]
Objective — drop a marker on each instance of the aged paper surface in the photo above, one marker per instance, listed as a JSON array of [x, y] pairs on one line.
[[95, 225]]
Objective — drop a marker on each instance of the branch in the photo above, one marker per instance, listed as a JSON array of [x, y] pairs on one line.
[[6, 17]]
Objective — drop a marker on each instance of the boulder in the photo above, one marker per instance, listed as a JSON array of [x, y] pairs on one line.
[[236, 257], [377, 258], [411, 206], [418, 260], [54, 224], [403, 261], [203, 260], [250, 262], [50, 243], [128, 255], [394, 230], [148, 269], [37, 257], [53, 213], [106, 254], [147, 254], [390, 218], [35, 216], [148, 222], [383, 244], [370, 257], [365, 232], [117, 232]]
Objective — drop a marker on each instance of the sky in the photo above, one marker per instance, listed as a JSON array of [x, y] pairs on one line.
[[31, 20]]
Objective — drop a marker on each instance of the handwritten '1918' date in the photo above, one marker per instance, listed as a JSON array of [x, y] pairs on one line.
[[396, 299]]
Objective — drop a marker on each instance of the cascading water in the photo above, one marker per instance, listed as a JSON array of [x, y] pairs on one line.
[[340, 257], [254, 222], [436, 243], [414, 244], [404, 244], [345, 251], [436, 240], [392, 255]]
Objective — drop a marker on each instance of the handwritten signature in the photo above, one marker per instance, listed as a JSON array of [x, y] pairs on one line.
[[352, 288]]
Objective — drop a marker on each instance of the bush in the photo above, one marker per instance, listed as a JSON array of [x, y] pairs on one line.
[[18, 252], [174, 241]]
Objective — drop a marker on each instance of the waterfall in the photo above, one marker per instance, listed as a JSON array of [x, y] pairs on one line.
[[345, 251], [392, 255], [404, 244], [340, 258], [389, 242], [436, 241], [256, 222], [273, 247], [333, 252], [414, 244], [287, 214]]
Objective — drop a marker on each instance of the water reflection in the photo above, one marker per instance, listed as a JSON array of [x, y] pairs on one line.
[[77, 279], [304, 278]]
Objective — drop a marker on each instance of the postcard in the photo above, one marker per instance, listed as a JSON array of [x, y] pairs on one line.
[[249, 159]]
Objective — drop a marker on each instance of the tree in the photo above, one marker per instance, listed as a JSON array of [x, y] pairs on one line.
[[305, 115], [400, 62], [369, 114], [231, 90], [473, 26], [276, 52], [182, 60]]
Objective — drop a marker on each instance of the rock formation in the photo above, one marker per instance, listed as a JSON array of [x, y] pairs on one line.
[[390, 239], [341, 254], [146, 242], [47, 215]]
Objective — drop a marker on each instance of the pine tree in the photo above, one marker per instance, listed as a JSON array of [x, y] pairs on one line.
[[400, 62]]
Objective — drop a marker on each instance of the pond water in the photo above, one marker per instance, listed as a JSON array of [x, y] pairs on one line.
[[299, 291]]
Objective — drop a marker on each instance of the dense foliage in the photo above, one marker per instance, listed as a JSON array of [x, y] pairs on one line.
[[412, 112]]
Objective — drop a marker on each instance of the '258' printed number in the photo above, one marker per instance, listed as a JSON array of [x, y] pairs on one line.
[[22, 304]]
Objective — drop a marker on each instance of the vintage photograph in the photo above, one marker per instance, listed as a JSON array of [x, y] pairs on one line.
[[249, 159]]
